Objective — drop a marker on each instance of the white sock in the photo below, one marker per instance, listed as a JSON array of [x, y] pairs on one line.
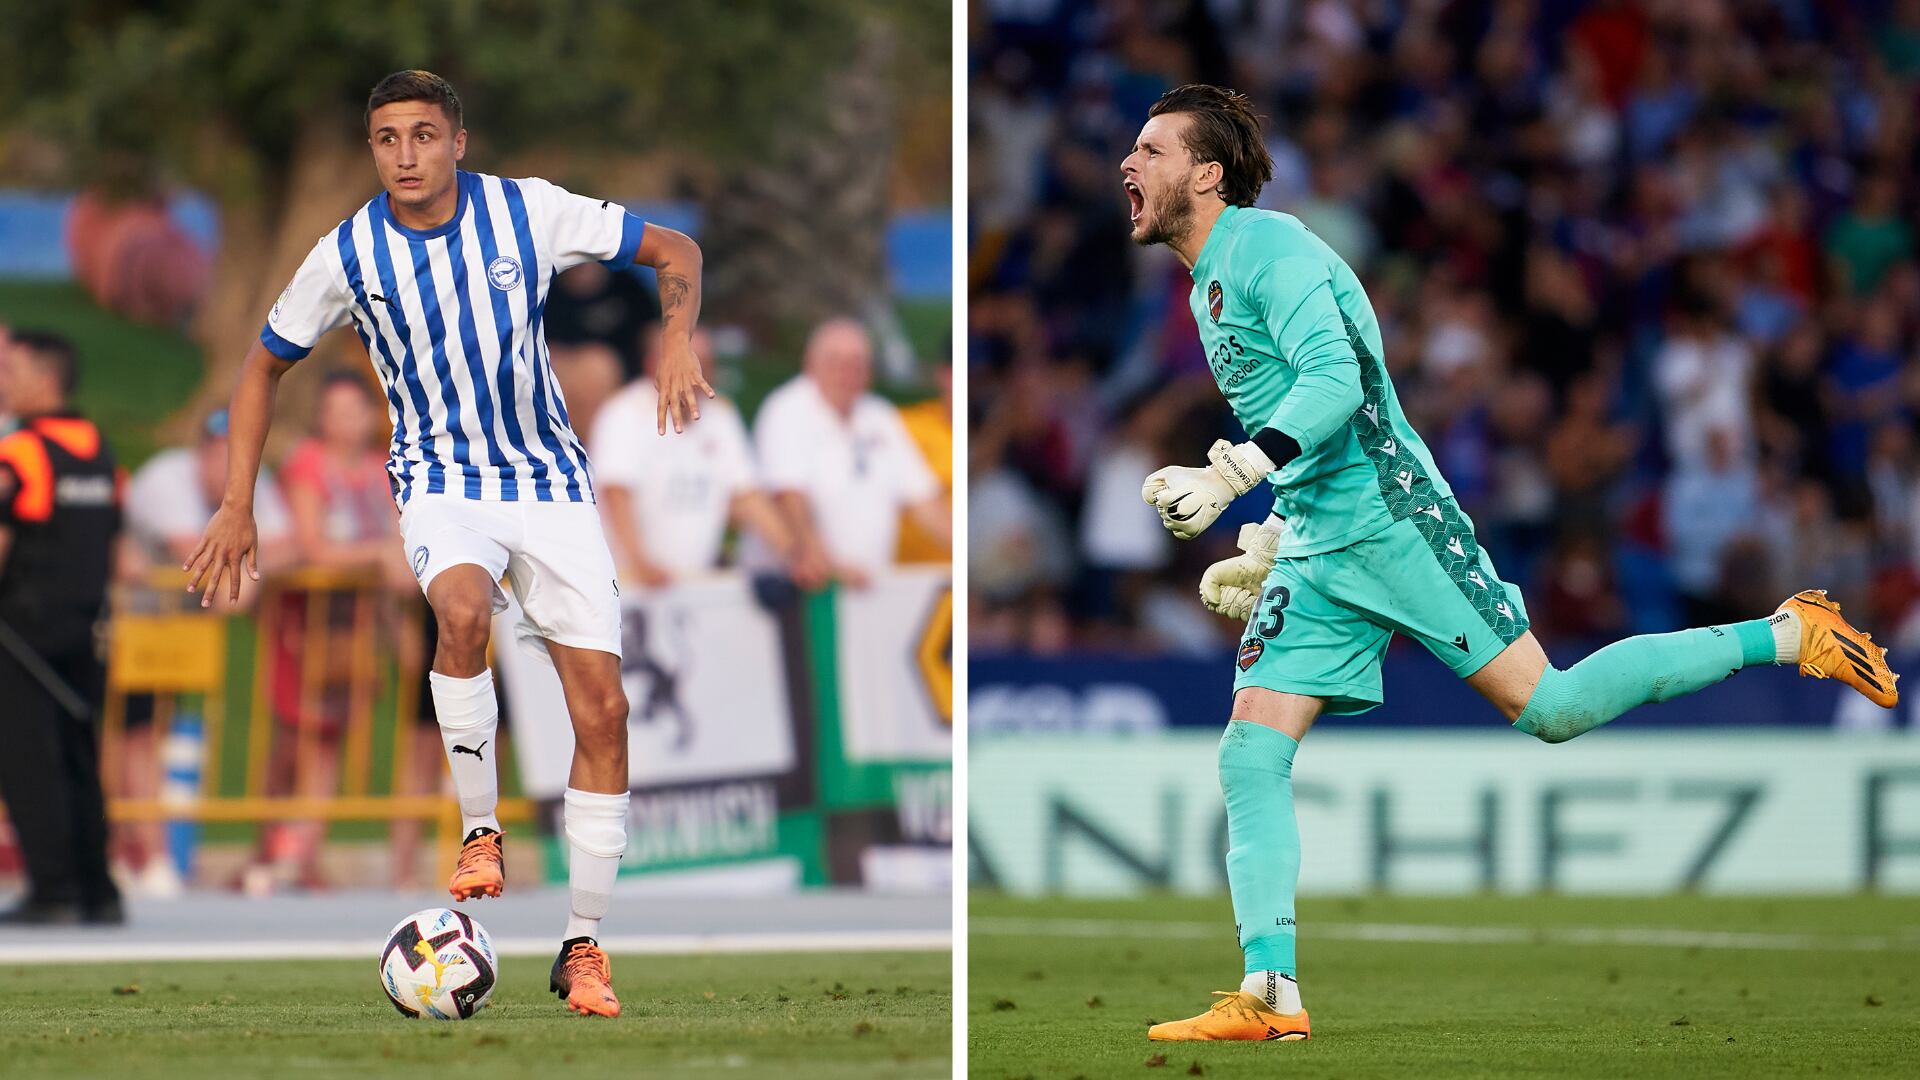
[[1786, 636], [469, 719], [596, 827], [1280, 992]]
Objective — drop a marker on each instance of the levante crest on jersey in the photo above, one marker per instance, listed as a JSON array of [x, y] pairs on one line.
[[1214, 299], [1250, 651]]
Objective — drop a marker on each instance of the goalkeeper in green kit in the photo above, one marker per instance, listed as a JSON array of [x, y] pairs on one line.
[[1365, 540]]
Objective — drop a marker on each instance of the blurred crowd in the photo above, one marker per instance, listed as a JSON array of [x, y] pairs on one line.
[[833, 483], [1644, 269]]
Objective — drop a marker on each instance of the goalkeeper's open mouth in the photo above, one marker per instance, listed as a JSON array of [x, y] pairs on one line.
[[1137, 201]]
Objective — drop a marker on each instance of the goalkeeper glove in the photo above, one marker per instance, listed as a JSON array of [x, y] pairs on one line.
[[1230, 586], [1190, 499]]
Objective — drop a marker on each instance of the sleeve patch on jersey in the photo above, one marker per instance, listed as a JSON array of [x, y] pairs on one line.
[[281, 347]]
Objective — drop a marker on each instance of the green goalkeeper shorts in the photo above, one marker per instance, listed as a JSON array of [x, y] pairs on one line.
[[1323, 621]]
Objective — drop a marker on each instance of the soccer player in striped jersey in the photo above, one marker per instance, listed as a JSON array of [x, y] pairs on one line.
[[1365, 539], [444, 276]]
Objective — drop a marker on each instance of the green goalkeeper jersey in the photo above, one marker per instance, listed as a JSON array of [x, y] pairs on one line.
[[1294, 345]]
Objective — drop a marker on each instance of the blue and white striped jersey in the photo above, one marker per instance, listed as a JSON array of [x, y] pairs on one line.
[[452, 320]]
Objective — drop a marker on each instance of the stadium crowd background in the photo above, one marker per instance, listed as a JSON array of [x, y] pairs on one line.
[[1644, 271]]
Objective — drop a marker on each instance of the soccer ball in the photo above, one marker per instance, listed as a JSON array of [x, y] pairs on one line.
[[438, 962]]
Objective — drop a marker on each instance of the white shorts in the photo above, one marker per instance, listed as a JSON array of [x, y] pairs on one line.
[[552, 553]]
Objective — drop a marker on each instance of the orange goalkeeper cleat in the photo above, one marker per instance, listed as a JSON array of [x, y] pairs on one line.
[[1830, 648], [1237, 1016], [582, 975], [482, 871]]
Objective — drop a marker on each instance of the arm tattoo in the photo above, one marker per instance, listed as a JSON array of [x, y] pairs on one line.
[[673, 293]]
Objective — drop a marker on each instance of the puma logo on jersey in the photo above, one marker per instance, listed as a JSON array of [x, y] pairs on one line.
[[1406, 480], [1373, 413], [1434, 512], [1474, 576], [1388, 447]]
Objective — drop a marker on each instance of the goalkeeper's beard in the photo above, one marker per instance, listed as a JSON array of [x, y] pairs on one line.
[[1167, 223]]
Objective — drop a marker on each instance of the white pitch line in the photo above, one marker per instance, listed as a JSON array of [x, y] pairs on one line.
[[368, 949], [1454, 935]]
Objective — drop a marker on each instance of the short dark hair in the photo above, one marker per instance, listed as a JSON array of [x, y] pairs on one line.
[[415, 85], [53, 353], [1224, 129]]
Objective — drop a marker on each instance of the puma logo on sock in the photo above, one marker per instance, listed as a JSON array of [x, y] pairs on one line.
[[474, 750]]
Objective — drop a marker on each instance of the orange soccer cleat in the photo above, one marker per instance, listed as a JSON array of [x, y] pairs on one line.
[[1237, 1016], [1830, 648], [582, 975], [482, 871]]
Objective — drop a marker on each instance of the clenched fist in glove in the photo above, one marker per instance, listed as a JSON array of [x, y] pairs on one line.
[[1190, 499], [1231, 586]]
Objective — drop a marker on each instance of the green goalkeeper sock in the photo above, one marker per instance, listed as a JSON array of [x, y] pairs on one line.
[[1263, 841], [1651, 667]]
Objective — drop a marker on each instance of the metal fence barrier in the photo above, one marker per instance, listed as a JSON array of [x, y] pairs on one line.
[[340, 639]]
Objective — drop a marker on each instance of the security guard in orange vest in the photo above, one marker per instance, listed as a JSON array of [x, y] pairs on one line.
[[59, 517]]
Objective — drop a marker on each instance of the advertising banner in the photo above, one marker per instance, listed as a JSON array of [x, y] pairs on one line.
[[1613, 812], [775, 739], [895, 667], [713, 757], [702, 669], [882, 666]]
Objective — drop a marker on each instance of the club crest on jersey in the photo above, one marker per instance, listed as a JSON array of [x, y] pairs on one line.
[[274, 315], [1250, 651], [503, 273], [1215, 298], [420, 561]]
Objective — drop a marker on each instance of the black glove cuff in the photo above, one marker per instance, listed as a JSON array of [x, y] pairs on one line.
[[1277, 445]]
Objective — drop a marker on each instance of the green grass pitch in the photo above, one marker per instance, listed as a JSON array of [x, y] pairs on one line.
[[788, 1016], [1460, 987]]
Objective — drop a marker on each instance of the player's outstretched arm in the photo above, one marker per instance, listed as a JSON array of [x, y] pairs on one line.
[[231, 540], [676, 259]]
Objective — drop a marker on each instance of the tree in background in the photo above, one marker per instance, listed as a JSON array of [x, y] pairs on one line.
[[779, 117]]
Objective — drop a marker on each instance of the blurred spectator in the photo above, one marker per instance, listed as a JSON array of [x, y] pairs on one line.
[[341, 504], [336, 489], [1864, 388], [1870, 237], [1684, 218], [839, 461], [666, 500], [1711, 503], [335, 482], [170, 499], [174, 494], [591, 304], [588, 374], [930, 425], [1704, 372]]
